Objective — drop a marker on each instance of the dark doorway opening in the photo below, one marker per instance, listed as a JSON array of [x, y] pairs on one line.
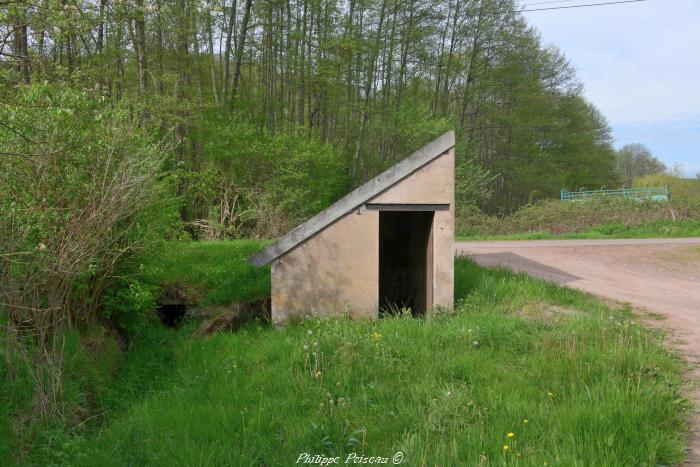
[[405, 261]]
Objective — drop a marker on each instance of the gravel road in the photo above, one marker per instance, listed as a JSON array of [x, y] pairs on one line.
[[657, 276]]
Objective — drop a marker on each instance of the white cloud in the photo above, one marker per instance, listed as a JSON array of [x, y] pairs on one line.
[[640, 64]]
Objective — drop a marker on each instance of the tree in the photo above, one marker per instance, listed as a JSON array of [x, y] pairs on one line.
[[636, 160], [80, 190], [374, 78]]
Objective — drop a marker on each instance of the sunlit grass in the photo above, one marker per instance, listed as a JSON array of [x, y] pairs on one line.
[[659, 229], [209, 272], [583, 387]]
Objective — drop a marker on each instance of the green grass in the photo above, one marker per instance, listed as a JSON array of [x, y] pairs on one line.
[[658, 229], [595, 218], [209, 273], [595, 388]]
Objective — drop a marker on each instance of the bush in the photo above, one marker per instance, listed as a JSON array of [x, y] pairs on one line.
[[607, 216], [253, 183], [80, 190], [682, 189]]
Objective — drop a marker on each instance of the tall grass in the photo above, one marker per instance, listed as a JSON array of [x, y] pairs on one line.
[[208, 273], [596, 218], [573, 381], [684, 189]]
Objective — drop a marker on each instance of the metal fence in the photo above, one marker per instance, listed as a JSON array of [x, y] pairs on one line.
[[647, 193]]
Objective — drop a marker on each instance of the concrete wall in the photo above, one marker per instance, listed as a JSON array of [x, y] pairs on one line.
[[433, 184], [337, 270], [334, 272]]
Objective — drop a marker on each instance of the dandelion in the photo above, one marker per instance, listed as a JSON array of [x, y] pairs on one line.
[[376, 336], [309, 332], [550, 394], [525, 421], [318, 374], [476, 343], [511, 434], [506, 447], [315, 343], [306, 347], [41, 247]]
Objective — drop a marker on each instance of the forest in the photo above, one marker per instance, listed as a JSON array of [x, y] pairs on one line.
[[252, 103], [127, 123]]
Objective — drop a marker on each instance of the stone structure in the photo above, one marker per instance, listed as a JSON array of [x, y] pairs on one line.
[[388, 244]]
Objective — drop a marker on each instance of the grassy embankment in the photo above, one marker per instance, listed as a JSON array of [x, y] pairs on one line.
[[573, 381], [595, 219]]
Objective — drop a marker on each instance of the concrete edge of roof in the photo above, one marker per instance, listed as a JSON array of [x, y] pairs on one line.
[[355, 198]]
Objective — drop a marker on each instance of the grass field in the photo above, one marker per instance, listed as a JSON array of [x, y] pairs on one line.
[[658, 229], [208, 273], [522, 373], [596, 218]]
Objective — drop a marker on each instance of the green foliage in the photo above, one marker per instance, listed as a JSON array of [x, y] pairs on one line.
[[375, 80], [198, 273], [79, 191], [573, 380], [636, 161], [682, 189], [598, 218], [472, 185], [256, 183], [103, 375]]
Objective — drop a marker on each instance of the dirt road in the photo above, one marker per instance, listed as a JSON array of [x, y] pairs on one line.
[[657, 276]]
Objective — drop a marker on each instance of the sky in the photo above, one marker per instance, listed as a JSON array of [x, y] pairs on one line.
[[639, 64]]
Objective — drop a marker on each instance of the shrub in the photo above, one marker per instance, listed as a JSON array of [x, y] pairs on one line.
[[253, 183], [80, 191], [608, 216]]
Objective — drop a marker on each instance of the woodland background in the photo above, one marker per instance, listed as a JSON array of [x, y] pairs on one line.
[[127, 123]]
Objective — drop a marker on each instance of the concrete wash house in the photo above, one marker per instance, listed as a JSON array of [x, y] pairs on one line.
[[390, 242]]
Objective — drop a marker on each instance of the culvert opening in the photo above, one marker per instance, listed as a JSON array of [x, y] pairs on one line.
[[171, 314]]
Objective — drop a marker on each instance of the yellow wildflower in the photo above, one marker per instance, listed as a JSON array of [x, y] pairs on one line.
[[506, 447], [525, 421], [511, 434]]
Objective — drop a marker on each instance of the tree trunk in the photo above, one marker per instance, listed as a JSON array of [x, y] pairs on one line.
[[239, 48], [361, 167], [212, 62], [140, 32], [227, 51], [302, 64], [159, 47]]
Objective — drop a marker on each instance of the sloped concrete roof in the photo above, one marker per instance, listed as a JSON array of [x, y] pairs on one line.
[[354, 199]]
